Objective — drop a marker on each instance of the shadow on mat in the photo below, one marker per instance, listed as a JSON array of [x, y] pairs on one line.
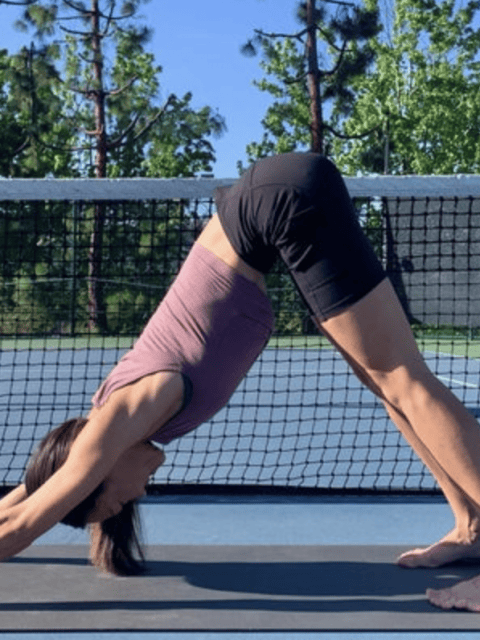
[[313, 579], [284, 587]]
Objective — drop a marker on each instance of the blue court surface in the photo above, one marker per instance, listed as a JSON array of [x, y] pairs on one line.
[[249, 568], [295, 408]]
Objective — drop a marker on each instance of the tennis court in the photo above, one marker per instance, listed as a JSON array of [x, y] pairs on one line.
[[234, 563], [283, 515]]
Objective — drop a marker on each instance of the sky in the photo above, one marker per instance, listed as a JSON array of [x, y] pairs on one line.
[[197, 42]]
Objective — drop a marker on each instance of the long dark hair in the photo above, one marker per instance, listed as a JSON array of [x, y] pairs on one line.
[[114, 543]]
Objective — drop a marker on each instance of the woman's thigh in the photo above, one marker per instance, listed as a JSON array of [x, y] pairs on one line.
[[375, 334]]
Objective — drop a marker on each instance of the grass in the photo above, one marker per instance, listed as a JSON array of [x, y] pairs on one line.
[[451, 346], [299, 342]]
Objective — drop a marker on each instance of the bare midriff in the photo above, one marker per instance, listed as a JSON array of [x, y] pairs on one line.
[[214, 239]]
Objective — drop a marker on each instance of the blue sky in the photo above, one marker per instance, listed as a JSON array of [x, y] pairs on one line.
[[197, 42]]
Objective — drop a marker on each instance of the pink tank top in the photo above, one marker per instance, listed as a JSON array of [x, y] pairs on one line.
[[211, 326]]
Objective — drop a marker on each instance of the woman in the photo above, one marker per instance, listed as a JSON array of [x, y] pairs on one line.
[[204, 336]]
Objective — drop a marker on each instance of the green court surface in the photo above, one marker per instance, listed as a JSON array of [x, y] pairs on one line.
[[458, 346]]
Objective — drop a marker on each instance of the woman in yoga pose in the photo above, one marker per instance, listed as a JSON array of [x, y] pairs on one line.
[[206, 333]]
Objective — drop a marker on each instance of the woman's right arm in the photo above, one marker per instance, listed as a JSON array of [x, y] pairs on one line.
[[21, 523], [13, 497], [130, 416]]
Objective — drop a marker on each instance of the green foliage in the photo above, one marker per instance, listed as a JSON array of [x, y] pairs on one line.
[[287, 120], [33, 134], [86, 102], [291, 314], [34, 254], [422, 99], [407, 100], [91, 102], [143, 250], [44, 252], [44, 249], [182, 145]]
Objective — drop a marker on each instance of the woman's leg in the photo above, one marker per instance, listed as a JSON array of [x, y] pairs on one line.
[[375, 338], [464, 510]]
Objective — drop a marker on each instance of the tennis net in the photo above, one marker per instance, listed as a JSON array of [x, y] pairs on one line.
[[84, 263]]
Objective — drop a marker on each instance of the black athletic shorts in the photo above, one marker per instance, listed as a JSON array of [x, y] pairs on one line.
[[297, 206]]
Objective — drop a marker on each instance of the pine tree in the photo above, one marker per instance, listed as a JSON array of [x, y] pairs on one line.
[[313, 70], [113, 111]]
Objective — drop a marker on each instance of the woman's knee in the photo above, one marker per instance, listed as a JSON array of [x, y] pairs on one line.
[[405, 388]]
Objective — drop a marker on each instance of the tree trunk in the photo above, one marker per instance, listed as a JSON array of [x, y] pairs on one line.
[[313, 75], [96, 307]]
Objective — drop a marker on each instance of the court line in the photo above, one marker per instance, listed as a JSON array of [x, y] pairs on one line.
[[461, 383], [442, 354], [449, 380]]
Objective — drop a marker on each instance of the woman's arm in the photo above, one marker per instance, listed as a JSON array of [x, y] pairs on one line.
[[13, 497], [132, 414], [25, 521]]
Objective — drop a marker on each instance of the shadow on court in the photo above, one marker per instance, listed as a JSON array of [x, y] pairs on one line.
[[228, 588]]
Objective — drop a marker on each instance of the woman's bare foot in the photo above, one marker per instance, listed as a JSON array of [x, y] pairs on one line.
[[464, 595], [451, 548]]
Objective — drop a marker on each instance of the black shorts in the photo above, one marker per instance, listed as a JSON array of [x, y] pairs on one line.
[[297, 206]]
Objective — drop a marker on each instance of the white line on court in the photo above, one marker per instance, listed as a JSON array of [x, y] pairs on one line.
[[448, 355], [461, 383], [449, 380]]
